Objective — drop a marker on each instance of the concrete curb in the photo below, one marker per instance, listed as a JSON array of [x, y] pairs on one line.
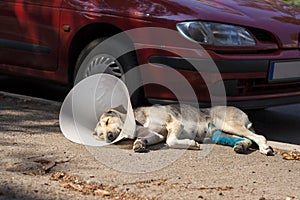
[[284, 146], [29, 98]]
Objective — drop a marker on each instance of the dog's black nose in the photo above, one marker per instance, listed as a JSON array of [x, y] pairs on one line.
[[110, 136]]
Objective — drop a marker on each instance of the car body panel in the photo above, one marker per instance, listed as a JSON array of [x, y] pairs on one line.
[[273, 16], [46, 36], [27, 35]]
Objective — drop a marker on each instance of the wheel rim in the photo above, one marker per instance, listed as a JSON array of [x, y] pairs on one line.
[[104, 63]]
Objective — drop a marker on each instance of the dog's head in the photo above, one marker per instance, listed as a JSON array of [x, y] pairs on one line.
[[110, 124]]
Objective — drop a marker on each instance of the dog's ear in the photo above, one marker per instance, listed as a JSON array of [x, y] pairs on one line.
[[114, 111], [117, 112], [120, 109]]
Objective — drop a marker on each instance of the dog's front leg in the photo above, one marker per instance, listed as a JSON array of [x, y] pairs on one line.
[[145, 138], [174, 129]]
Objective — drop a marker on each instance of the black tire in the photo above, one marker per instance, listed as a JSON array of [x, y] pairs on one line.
[[107, 56]]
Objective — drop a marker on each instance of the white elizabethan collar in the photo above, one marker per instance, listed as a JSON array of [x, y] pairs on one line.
[[86, 102]]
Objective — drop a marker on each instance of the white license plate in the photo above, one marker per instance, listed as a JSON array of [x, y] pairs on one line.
[[284, 71]]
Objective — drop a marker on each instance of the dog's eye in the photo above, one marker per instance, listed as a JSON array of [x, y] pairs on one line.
[[107, 122]]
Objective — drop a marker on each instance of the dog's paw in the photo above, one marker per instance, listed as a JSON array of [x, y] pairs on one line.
[[240, 148], [139, 146], [266, 150], [98, 136], [194, 146]]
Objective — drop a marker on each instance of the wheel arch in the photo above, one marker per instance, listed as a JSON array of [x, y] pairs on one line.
[[83, 37]]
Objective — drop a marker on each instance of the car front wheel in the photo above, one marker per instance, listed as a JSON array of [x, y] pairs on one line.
[[113, 57]]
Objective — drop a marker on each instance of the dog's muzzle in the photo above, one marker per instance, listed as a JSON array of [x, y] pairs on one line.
[[110, 137]]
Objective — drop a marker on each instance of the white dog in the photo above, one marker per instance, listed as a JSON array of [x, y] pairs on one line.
[[182, 126]]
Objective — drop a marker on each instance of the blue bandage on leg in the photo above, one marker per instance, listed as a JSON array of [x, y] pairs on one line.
[[219, 137]]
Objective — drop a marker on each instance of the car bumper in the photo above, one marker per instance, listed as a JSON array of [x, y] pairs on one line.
[[250, 104], [245, 83]]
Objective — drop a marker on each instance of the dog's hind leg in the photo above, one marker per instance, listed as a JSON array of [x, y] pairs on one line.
[[239, 144], [146, 137], [175, 128], [240, 130]]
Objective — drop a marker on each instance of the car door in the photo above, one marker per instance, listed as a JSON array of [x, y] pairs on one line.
[[29, 33]]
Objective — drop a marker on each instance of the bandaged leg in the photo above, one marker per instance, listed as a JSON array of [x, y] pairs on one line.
[[239, 144]]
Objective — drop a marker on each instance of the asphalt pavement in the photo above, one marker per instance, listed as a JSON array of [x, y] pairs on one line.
[[38, 162], [280, 124]]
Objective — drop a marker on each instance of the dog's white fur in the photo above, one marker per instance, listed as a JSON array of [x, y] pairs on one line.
[[181, 126]]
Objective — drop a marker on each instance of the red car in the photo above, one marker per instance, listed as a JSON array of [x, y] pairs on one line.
[[254, 45]]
